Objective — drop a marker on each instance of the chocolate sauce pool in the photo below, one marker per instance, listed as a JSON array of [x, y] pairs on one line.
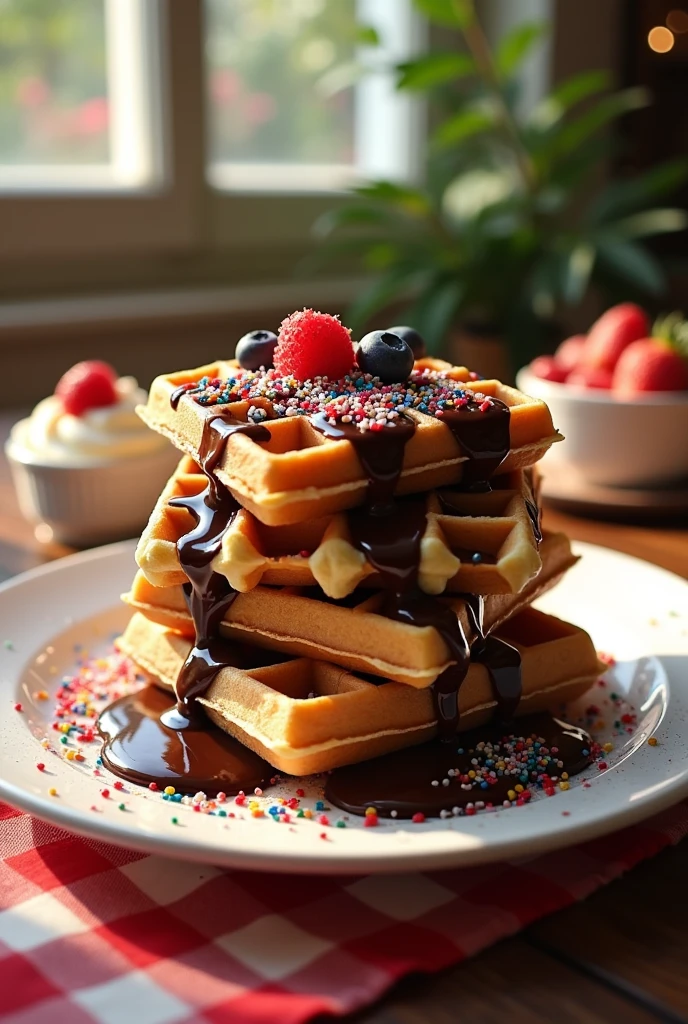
[[403, 781], [141, 748]]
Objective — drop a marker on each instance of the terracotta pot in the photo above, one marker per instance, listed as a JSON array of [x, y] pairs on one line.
[[482, 351]]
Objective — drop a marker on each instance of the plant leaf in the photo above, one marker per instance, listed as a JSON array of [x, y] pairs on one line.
[[367, 35], [338, 78], [435, 310], [351, 215], [381, 256], [411, 200], [577, 270], [651, 222], [379, 293], [622, 197], [631, 264], [434, 69], [566, 95], [462, 126], [453, 13], [578, 87], [575, 133], [478, 191], [315, 261], [515, 45]]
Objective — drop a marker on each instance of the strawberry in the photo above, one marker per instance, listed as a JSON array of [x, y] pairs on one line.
[[88, 385], [650, 364], [547, 368], [590, 377], [612, 333], [311, 344], [569, 355]]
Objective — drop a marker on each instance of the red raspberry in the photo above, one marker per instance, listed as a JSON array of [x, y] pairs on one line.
[[313, 344], [88, 385]]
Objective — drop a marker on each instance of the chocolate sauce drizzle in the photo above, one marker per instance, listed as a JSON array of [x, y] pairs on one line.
[[380, 452], [146, 739], [502, 661], [483, 435], [388, 532], [208, 593]]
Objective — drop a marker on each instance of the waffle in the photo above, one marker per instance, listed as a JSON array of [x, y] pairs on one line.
[[305, 716], [352, 633], [320, 551], [299, 474]]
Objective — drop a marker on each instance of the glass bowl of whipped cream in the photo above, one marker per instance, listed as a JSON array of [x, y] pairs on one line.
[[86, 469]]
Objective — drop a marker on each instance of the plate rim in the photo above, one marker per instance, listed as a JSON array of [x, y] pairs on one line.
[[355, 862]]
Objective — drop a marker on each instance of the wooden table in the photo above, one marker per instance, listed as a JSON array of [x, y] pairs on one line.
[[620, 955]]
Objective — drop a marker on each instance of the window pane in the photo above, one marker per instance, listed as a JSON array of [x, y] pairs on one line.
[[53, 82], [78, 93], [277, 74]]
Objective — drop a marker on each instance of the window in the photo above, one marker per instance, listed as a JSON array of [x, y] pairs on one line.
[[210, 129], [280, 95], [77, 94], [295, 100]]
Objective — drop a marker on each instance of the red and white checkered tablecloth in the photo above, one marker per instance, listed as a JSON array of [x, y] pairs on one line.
[[94, 933]]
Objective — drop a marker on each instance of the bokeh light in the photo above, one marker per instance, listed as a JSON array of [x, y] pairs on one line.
[[660, 39], [677, 20]]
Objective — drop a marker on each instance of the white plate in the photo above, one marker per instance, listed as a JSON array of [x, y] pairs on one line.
[[633, 610]]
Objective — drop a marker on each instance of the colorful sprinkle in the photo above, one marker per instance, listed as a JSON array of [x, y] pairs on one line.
[[357, 398]]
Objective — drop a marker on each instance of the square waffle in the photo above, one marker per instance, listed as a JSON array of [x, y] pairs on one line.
[[305, 716], [320, 552], [351, 632], [300, 474]]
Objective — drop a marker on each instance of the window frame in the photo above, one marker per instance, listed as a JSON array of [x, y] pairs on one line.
[[50, 221], [182, 228]]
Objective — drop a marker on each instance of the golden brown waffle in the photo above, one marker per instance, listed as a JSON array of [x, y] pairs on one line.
[[307, 716], [299, 474], [352, 632], [321, 552]]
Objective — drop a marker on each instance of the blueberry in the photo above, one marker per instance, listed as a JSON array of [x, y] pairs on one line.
[[412, 339], [256, 349], [385, 355]]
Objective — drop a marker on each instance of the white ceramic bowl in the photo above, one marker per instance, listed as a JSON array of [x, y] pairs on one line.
[[85, 505], [622, 443]]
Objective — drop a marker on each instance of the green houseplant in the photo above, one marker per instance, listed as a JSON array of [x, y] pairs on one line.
[[503, 229]]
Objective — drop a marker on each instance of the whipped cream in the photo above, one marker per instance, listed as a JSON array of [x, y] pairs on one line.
[[112, 432]]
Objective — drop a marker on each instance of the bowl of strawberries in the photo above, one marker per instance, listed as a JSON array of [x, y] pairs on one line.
[[620, 397]]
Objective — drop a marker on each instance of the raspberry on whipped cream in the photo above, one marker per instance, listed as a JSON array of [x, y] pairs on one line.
[[100, 433]]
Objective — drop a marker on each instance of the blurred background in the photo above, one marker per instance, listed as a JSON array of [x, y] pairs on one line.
[[174, 174]]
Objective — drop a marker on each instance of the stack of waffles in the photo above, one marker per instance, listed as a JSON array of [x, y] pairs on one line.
[[338, 571]]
